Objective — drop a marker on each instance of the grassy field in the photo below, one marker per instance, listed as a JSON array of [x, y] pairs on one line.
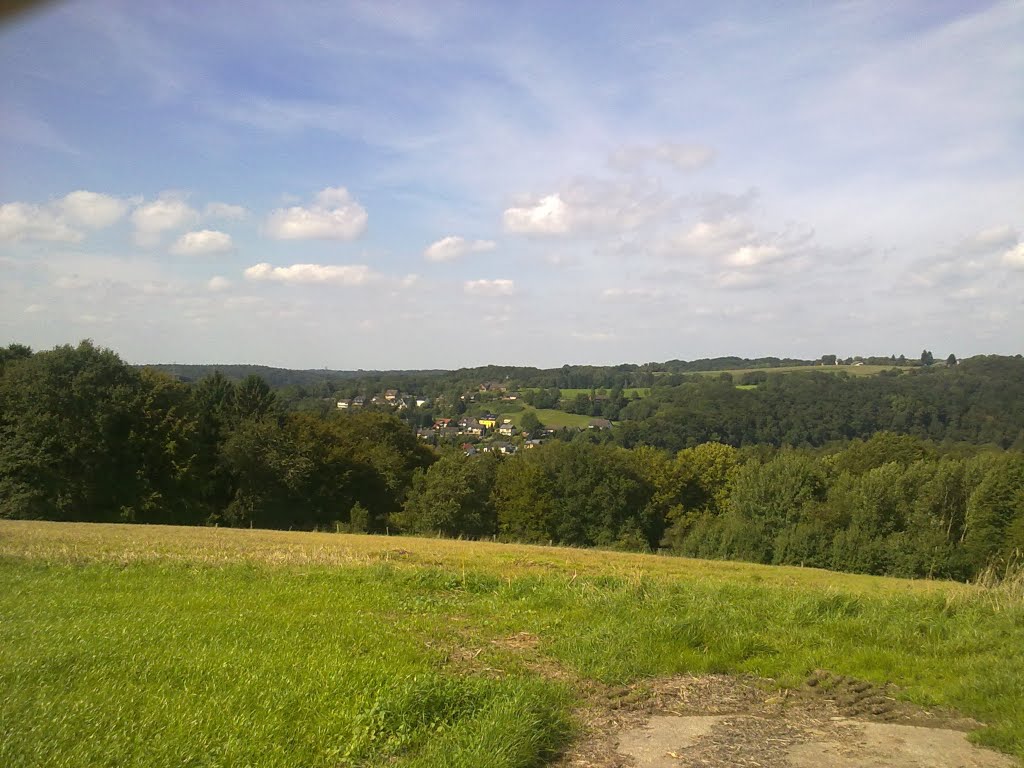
[[852, 370], [549, 417], [160, 646]]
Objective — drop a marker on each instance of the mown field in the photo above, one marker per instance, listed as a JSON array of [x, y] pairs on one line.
[[161, 646]]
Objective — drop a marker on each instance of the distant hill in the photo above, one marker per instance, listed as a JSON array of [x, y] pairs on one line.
[[585, 376]]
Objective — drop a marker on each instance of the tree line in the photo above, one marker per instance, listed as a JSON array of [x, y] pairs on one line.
[[890, 505], [85, 437]]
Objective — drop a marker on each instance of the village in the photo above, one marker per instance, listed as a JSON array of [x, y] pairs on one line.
[[485, 432]]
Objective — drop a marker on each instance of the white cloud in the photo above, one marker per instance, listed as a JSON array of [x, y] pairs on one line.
[[204, 242], [24, 221], [168, 212], [218, 283], [60, 219], [715, 236], [334, 215], [548, 216], [489, 287], [453, 247], [995, 239], [225, 211], [755, 255], [1014, 257], [350, 274], [92, 209], [591, 207]]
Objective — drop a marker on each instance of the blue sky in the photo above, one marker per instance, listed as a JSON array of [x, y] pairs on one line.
[[441, 184]]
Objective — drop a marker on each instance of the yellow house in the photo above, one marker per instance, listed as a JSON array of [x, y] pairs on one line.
[[490, 421]]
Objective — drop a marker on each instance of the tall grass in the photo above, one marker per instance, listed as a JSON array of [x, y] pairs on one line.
[[1001, 584]]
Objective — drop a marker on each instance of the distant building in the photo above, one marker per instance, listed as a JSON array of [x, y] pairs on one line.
[[469, 426]]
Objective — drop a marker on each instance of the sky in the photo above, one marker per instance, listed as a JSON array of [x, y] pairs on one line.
[[445, 184]]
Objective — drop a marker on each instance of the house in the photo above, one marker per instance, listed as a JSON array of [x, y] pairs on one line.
[[490, 421], [507, 428], [533, 443], [390, 395], [425, 434], [421, 401], [343, 404], [442, 423], [510, 396], [358, 402], [470, 427], [501, 447], [599, 424]]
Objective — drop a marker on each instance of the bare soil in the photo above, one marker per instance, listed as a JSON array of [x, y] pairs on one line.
[[716, 721]]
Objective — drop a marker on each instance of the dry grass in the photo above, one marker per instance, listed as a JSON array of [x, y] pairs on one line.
[[95, 542]]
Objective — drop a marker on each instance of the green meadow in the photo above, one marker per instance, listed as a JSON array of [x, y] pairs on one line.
[[549, 417], [851, 370], [163, 646]]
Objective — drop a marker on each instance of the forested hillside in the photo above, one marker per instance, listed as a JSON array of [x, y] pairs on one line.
[[806, 468], [981, 401]]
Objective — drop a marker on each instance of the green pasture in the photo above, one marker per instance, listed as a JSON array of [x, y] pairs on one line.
[[163, 646], [549, 417], [554, 419]]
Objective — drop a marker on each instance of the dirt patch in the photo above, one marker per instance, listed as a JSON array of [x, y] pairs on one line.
[[716, 721], [858, 699], [722, 721]]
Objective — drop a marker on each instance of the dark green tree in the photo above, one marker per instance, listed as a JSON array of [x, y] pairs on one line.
[[85, 437], [529, 423], [452, 497], [253, 398]]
